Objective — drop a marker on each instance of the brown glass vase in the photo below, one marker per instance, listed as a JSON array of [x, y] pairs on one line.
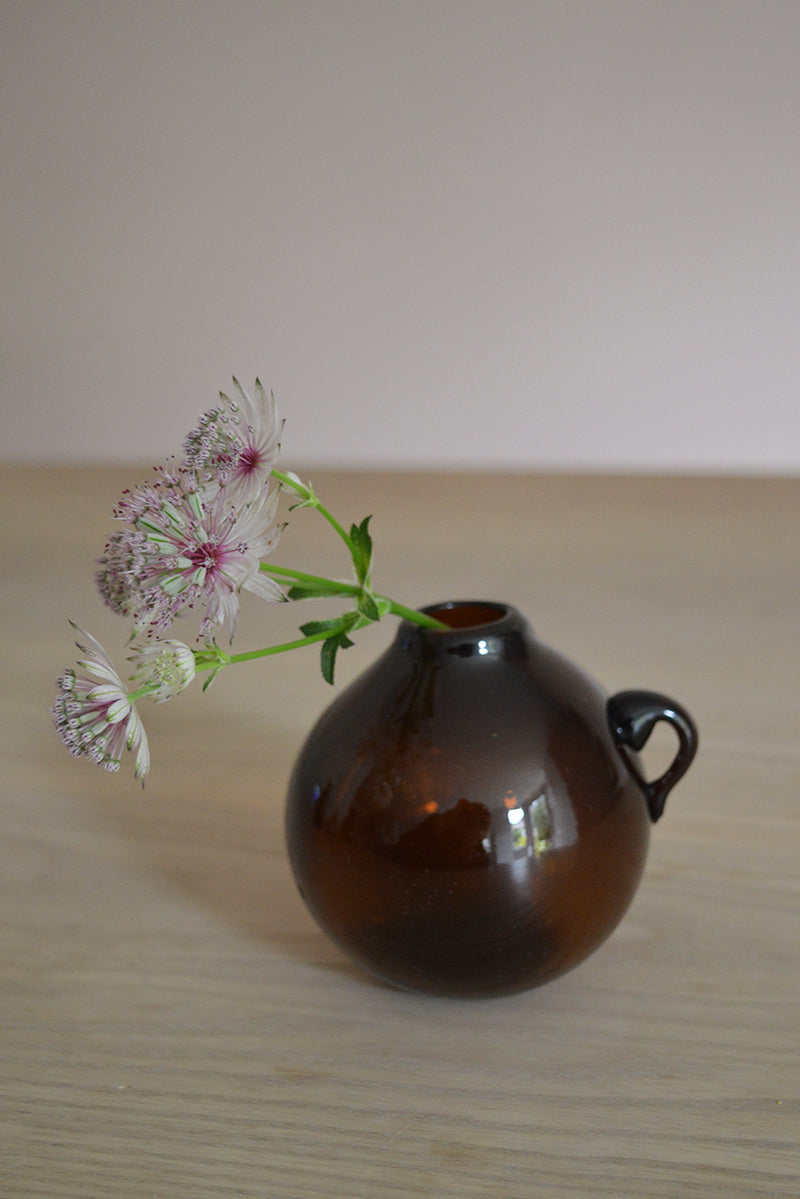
[[470, 817]]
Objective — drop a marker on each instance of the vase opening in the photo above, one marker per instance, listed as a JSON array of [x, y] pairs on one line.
[[467, 615]]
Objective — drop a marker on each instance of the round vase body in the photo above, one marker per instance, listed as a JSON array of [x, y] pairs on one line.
[[464, 819]]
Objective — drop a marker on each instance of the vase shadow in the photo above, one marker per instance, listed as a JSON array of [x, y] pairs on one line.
[[213, 833]]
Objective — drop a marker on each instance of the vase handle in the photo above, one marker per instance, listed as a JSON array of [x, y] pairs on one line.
[[632, 716]]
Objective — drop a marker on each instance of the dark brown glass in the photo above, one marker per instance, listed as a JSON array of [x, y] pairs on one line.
[[469, 817]]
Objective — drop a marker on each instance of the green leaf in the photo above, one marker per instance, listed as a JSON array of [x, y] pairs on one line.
[[338, 624], [361, 541], [328, 655], [367, 606], [212, 675], [316, 590], [213, 659]]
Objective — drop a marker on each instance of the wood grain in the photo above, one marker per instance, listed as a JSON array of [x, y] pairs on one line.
[[174, 1025]]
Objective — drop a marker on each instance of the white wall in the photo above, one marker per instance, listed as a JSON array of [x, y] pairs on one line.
[[446, 232]]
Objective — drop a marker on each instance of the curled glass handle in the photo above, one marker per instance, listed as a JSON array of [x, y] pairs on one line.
[[632, 716]]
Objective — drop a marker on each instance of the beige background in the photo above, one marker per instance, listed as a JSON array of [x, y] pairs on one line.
[[446, 233]]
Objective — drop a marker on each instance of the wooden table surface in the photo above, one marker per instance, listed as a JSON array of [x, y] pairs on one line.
[[174, 1025]]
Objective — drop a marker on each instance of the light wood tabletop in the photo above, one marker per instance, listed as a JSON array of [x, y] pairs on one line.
[[174, 1025]]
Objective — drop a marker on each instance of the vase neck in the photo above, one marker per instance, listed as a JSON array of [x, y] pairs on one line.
[[480, 629]]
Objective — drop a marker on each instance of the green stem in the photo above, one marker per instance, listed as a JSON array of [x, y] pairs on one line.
[[333, 587], [282, 477], [266, 652], [413, 614], [419, 618], [302, 576], [396, 609], [249, 655]]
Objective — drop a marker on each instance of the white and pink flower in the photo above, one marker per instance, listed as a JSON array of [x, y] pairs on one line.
[[94, 713], [187, 548], [163, 669], [236, 446]]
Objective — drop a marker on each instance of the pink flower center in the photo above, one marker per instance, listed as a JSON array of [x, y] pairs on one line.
[[249, 460], [207, 556]]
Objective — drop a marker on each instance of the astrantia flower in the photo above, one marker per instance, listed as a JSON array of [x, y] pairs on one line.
[[94, 714], [184, 549], [236, 445], [165, 668]]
